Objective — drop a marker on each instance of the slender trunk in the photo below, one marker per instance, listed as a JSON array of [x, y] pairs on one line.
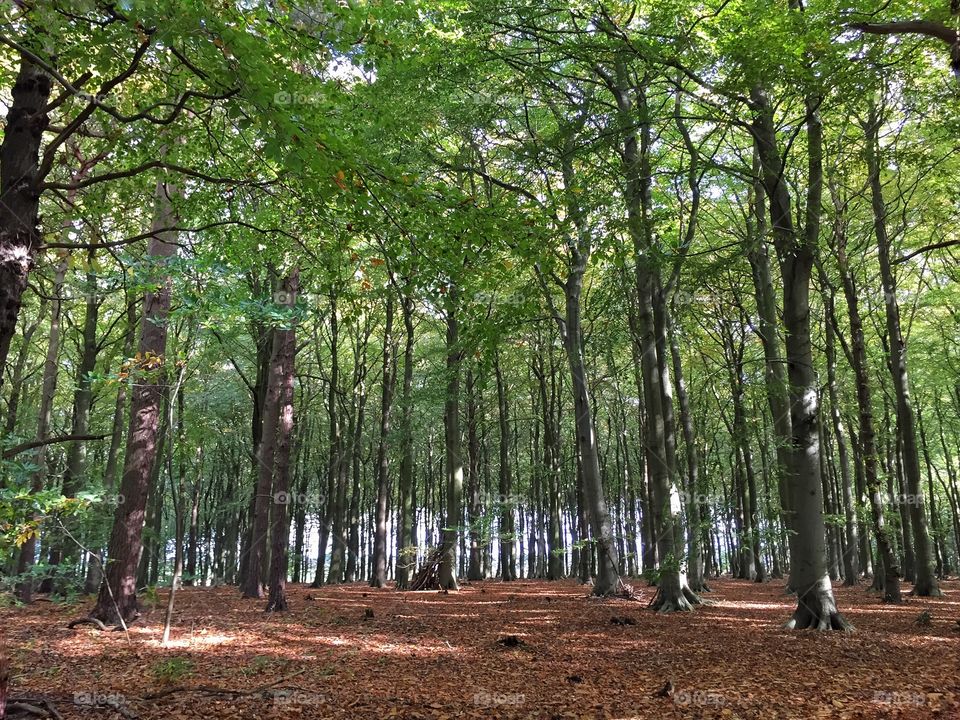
[[47, 391], [926, 581], [118, 595], [379, 578], [285, 344], [406, 540], [453, 463], [505, 501]]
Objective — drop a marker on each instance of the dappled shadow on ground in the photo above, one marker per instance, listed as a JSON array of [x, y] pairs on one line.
[[431, 655]]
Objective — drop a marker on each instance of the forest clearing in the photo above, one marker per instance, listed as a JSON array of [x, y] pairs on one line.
[[479, 358]]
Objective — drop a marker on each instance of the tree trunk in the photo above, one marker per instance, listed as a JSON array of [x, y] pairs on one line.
[[118, 595], [379, 577], [47, 392], [406, 541], [453, 462], [285, 346], [20, 235], [926, 582], [816, 606], [508, 559]]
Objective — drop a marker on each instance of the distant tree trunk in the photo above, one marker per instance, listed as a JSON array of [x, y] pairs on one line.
[[285, 347], [80, 421], [475, 569], [888, 571], [939, 550], [851, 564], [926, 582], [19, 365], [94, 566], [379, 577], [551, 455], [266, 451], [507, 530], [178, 493], [775, 372], [335, 443], [453, 454], [48, 390], [406, 541], [118, 595]]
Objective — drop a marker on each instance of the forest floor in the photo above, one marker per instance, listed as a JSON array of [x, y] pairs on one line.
[[431, 656]]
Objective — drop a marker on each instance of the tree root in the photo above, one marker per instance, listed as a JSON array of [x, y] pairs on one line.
[[675, 599], [925, 591], [31, 707], [817, 610], [90, 620]]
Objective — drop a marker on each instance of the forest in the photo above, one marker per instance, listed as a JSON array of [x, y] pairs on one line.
[[479, 358]]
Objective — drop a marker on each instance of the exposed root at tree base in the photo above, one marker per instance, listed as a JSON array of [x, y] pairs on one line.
[[87, 621], [678, 600], [817, 610], [919, 591]]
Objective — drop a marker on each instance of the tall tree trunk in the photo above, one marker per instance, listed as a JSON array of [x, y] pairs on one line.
[[851, 564], [507, 530], [118, 595], [48, 390], [20, 235], [889, 570], [263, 501], [82, 398], [474, 568], [453, 454], [406, 522], [775, 374], [285, 347], [926, 582], [816, 606], [379, 577]]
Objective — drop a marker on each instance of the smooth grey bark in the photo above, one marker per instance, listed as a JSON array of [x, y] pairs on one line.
[[816, 606], [508, 559], [851, 559], [474, 567], [889, 570], [379, 577], [767, 330], [925, 584], [406, 542], [453, 462]]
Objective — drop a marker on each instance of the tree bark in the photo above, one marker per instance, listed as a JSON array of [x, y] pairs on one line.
[[453, 453], [379, 578], [926, 582], [816, 606], [118, 595], [284, 372], [20, 235]]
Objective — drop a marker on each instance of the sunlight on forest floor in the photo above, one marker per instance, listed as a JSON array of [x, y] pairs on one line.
[[432, 656]]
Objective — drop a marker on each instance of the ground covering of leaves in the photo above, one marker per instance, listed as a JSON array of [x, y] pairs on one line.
[[521, 650]]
